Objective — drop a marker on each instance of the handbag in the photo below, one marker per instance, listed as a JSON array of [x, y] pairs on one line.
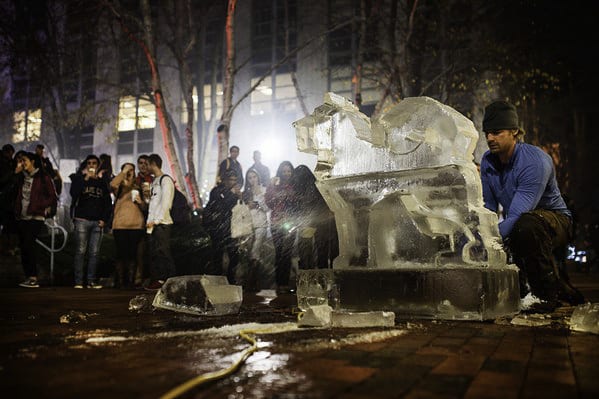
[[241, 220]]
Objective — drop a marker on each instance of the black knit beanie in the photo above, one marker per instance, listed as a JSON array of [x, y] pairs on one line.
[[500, 115]]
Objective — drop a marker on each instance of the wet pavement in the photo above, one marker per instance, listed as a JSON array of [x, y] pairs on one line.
[[102, 349]]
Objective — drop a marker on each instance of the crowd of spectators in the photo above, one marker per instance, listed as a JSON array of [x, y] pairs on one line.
[[288, 216]]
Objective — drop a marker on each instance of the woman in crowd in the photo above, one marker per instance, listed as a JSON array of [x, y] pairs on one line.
[[253, 196], [105, 171], [317, 236], [36, 196], [280, 198], [128, 223]]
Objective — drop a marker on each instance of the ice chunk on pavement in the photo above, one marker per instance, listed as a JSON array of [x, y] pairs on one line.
[[586, 318], [531, 320], [315, 316], [528, 301], [75, 316], [363, 319], [139, 303], [199, 295]]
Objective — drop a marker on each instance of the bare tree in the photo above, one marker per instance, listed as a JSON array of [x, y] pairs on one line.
[[228, 82], [181, 45], [146, 44]]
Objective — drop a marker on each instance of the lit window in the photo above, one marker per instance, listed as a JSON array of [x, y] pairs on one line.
[[27, 125], [131, 117], [282, 98], [137, 119]]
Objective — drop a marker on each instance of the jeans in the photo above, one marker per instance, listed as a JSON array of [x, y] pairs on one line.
[[88, 236]]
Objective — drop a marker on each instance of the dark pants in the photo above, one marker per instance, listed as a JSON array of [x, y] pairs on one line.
[[219, 247], [283, 242], [127, 242], [534, 241], [29, 231], [162, 264]]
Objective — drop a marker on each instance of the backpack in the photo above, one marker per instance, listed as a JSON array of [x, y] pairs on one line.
[[180, 209]]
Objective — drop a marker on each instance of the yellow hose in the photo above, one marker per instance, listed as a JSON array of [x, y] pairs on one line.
[[204, 378]]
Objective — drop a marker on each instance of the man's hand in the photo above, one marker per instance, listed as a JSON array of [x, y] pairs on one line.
[[101, 223]]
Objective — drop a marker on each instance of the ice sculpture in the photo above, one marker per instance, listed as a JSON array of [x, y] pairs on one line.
[[414, 236]]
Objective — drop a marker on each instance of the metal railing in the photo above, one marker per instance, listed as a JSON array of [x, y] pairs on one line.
[[54, 228]]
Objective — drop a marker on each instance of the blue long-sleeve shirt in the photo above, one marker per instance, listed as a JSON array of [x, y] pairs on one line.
[[526, 183]]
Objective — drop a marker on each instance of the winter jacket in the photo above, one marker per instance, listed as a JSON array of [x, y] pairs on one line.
[[42, 195]]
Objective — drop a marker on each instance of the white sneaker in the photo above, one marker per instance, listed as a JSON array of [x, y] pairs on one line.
[[95, 286], [29, 283]]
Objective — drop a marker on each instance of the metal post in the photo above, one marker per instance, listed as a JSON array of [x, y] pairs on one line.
[[53, 228]]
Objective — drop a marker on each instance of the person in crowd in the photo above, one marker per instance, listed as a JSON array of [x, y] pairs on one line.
[[105, 170], [144, 180], [260, 168], [253, 196], [49, 168], [217, 220], [128, 223], [159, 224], [231, 163], [92, 208], [36, 196], [280, 198], [317, 236], [8, 187], [536, 223], [144, 175]]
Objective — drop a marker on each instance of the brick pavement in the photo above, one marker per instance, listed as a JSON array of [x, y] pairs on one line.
[[431, 359], [444, 359]]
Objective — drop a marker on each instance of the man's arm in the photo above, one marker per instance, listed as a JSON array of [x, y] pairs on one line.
[[167, 192], [488, 197]]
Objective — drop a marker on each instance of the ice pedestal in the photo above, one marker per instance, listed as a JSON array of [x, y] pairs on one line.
[[414, 236], [199, 295]]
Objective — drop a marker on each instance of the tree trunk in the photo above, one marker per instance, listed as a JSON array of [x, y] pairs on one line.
[[161, 111], [184, 9], [298, 92], [228, 82]]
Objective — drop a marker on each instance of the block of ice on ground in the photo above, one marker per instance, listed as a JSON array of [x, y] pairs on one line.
[[139, 303], [531, 320], [585, 318], [363, 319], [407, 200], [315, 316], [199, 295]]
